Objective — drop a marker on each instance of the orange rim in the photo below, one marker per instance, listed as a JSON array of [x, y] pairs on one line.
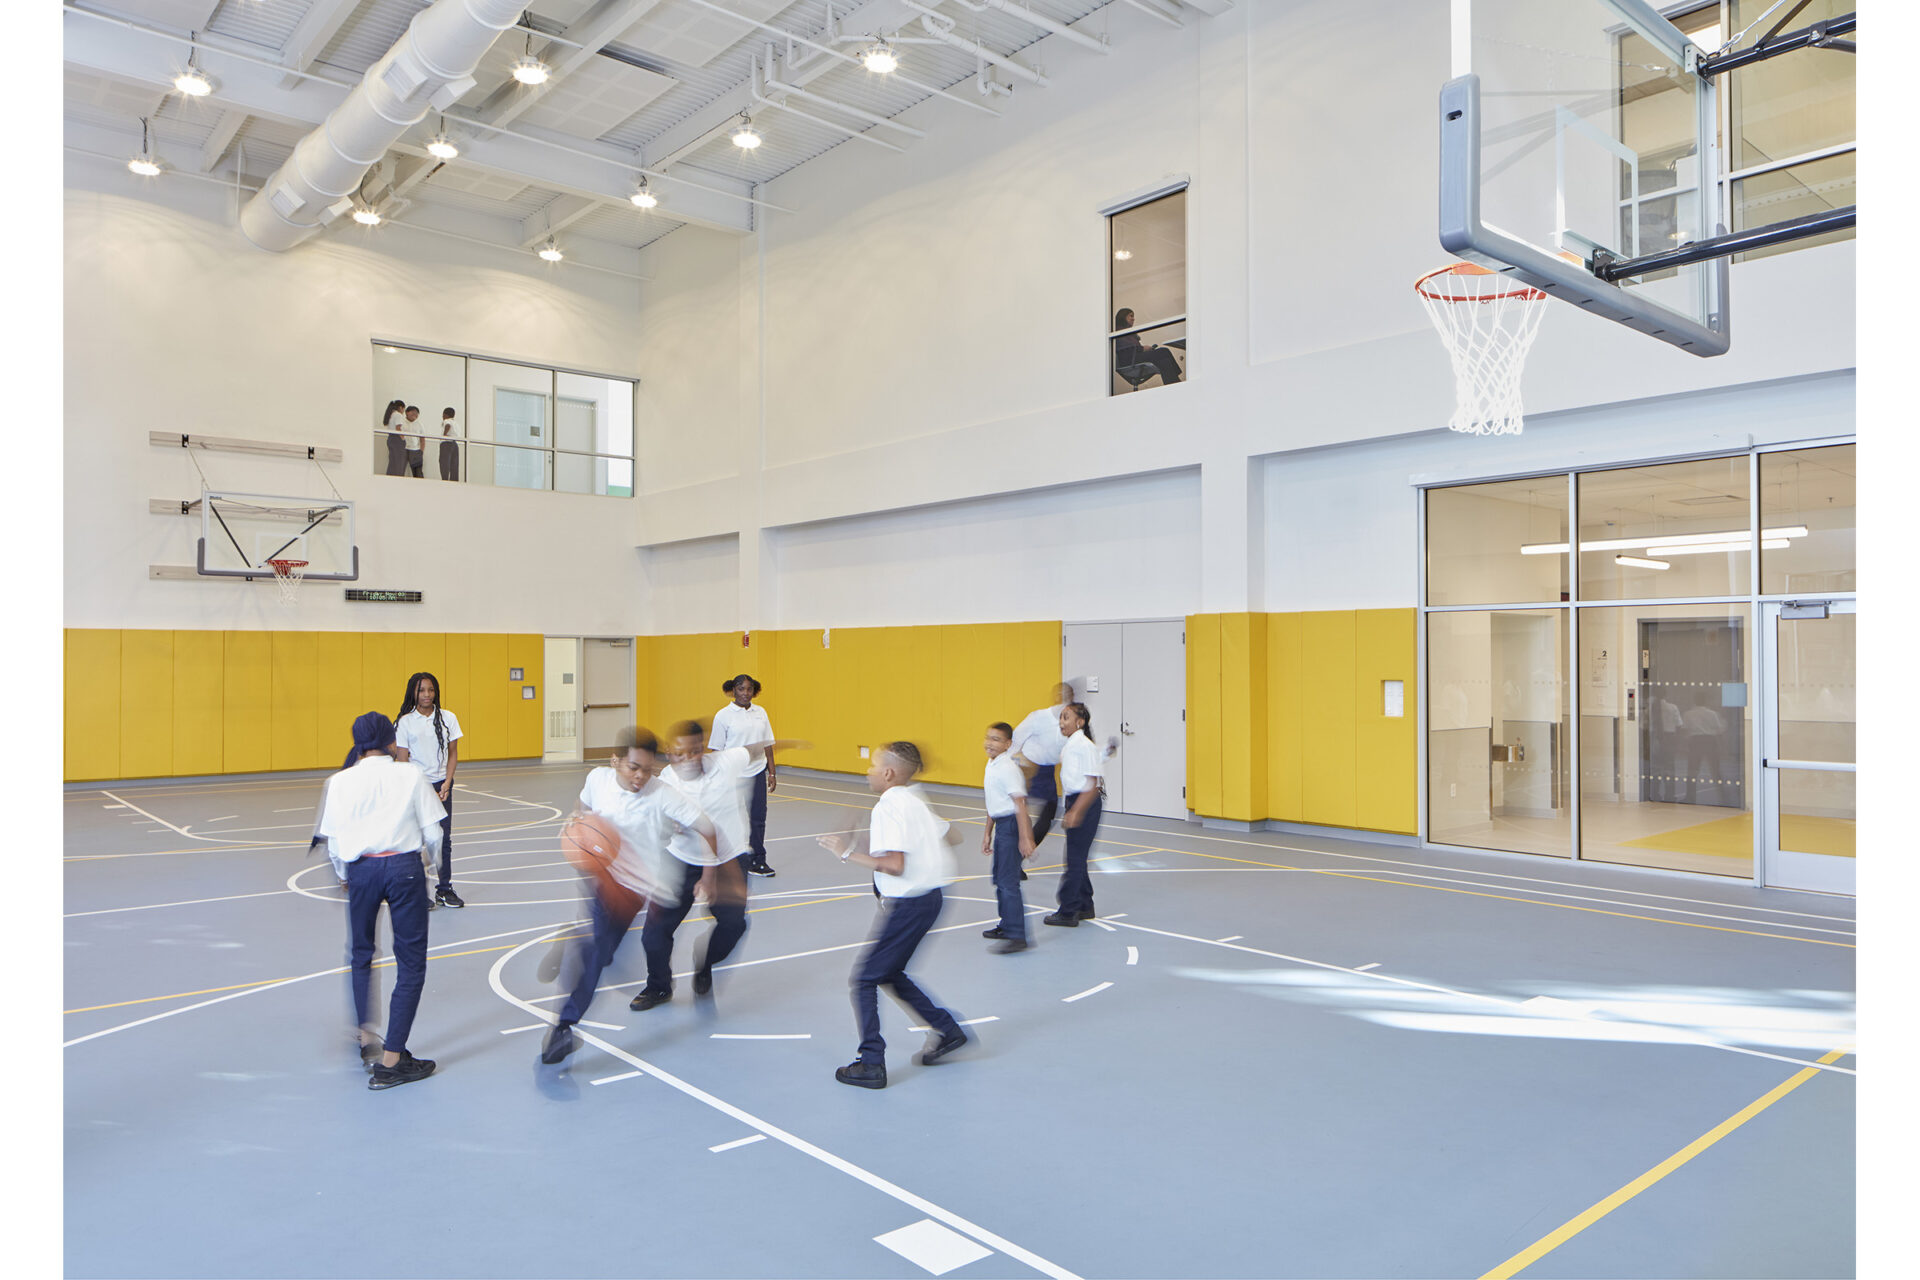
[[285, 567], [1526, 292]]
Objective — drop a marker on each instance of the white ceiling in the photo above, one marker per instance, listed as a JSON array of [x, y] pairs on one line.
[[665, 90]]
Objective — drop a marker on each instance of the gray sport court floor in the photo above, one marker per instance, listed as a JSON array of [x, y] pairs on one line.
[[1280, 1056]]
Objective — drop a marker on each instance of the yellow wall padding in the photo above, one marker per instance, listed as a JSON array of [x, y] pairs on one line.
[[1386, 748], [1204, 729], [936, 686], [1243, 716], [1286, 731], [1328, 778], [146, 703], [149, 704]]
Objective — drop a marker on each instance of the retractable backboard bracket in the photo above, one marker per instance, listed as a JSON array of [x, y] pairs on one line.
[[1463, 234]]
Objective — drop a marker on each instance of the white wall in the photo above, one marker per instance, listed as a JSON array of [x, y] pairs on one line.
[[927, 329], [174, 323], [691, 586]]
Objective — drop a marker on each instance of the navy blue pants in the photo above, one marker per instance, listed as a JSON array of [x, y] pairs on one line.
[[729, 909], [399, 881], [1076, 887], [446, 837], [1043, 788], [897, 931], [757, 821], [1006, 876], [610, 925]]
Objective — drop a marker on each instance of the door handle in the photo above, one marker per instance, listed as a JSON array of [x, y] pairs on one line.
[[1125, 730]]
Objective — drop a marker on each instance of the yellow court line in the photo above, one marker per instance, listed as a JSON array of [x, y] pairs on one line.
[[1506, 897], [382, 964], [1574, 1226]]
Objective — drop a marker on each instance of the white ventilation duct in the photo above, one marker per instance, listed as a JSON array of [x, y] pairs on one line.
[[429, 67]]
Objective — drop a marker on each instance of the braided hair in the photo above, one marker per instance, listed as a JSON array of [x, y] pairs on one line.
[[413, 693]]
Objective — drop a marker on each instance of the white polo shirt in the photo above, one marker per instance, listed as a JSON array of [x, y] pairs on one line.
[[1038, 737], [1005, 785], [378, 805], [647, 819], [903, 823], [717, 791], [415, 733], [1079, 764], [414, 433], [738, 726]]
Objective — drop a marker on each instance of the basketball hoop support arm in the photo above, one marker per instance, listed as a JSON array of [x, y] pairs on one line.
[[1814, 224], [1464, 235], [1818, 36]]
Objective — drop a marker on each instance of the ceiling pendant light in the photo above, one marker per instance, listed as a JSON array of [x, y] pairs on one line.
[[642, 197], [442, 148], [879, 58], [366, 216], [744, 137], [1636, 562], [550, 251], [528, 69], [193, 82], [144, 164]]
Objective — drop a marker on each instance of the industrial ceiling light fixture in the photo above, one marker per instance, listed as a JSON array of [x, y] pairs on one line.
[[366, 215], [880, 58], [528, 69], [642, 197], [193, 82], [550, 251], [744, 137], [144, 164], [442, 148]]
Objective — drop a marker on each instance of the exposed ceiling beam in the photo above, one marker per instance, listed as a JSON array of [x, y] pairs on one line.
[[558, 216], [224, 131], [601, 24], [317, 28], [542, 157]]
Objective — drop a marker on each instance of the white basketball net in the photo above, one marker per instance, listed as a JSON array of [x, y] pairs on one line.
[[287, 575], [1488, 323]]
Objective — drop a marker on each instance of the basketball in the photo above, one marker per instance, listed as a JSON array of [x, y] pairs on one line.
[[590, 842]]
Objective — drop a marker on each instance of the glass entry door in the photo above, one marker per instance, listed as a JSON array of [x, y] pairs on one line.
[[1807, 838]]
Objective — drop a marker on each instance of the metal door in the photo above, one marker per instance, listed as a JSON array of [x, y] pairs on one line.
[[607, 705], [1133, 678], [1807, 746]]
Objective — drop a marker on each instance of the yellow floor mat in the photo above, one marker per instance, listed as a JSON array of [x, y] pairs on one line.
[[1733, 837]]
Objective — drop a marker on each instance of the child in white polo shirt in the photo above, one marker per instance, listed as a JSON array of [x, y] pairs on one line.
[[908, 849], [1008, 837]]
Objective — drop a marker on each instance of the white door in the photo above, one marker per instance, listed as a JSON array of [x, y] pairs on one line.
[[607, 705], [1133, 678], [1807, 746], [1153, 724], [563, 699]]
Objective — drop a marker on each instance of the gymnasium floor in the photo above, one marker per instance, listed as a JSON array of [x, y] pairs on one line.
[[1276, 1056]]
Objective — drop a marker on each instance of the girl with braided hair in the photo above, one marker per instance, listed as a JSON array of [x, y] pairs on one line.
[[428, 734]]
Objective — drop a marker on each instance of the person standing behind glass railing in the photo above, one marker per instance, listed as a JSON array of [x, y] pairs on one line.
[[449, 447], [395, 421]]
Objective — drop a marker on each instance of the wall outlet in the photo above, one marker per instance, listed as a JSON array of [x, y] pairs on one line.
[[1453, 789], [865, 754], [1093, 684]]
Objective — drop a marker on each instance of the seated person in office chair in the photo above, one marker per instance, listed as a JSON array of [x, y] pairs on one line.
[[1129, 351]]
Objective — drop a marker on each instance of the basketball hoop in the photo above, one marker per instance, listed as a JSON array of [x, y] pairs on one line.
[[287, 576], [1488, 324]]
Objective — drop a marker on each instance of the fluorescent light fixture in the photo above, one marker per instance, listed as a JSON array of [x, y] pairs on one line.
[[530, 70], [1724, 548], [879, 58], [1663, 541], [366, 217], [551, 251], [442, 148], [642, 197], [193, 82], [744, 137], [1637, 563], [1122, 255]]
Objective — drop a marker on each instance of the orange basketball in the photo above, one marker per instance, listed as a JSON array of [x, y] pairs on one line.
[[591, 843]]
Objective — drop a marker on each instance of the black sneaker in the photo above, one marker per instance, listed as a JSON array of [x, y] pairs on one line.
[[866, 1075], [1008, 947], [560, 1043], [1086, 913], [995, 932], [759, 868], [405, 1071], [447, 898], [703, 976], [647, 999], [1066, 919], [939, 1046]]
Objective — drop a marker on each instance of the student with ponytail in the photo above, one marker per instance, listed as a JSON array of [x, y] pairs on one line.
[[428, 734]]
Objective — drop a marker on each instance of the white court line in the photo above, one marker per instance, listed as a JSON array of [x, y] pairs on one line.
[[722, 1035], [1235, 938], [228, 818], [299, 808], [737, 1142], [1701, 1041], [624, 1075], [113, 806], [531, 1026], [1090, 991], [968, 1022], [1365, 967], [1133, 955], [1101, 924], [604, 1026], [799, 1144], [188, 902], [284, 982]]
